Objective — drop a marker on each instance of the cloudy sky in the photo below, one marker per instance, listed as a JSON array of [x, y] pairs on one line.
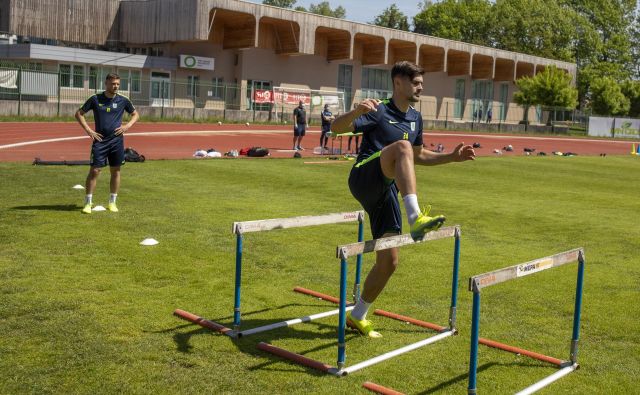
[[363, 10]]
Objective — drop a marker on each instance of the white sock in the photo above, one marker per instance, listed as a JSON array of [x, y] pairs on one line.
[[113, 197], [88, 199], [359, 312], [412, 207]]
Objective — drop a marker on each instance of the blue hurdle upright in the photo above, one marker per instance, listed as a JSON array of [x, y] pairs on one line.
[[239, 229], [476, 283]]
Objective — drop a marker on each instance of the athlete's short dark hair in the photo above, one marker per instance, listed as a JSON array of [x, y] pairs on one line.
[[406, 69], [112, 76]]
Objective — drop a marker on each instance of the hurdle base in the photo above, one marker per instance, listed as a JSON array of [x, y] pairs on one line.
[[203, 322], [340, 372], [379, 389], [549, 379]]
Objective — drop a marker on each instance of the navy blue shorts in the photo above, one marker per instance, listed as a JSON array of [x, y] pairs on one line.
[[107, 152], [378, 195], [299, 130]]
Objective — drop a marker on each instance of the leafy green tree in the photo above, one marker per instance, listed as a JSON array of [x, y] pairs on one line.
[[324, 8], [301, 8], [607, 97], [635, 46], [536, 27], [603, 45], [393, 18], [280, 3], [550, 88], [470, 21], [631, 90]]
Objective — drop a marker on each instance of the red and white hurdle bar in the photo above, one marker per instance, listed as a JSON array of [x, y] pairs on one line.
[[239, 229], [476, 283], [346, 251]]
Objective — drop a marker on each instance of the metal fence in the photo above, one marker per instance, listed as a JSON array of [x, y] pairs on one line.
[[23, 85]]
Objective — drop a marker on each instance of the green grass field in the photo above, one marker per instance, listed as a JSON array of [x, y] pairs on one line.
[[85, 309]]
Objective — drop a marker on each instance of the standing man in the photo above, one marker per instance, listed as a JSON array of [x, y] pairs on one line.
[[392, 145], [108, 141], [299, 126], [327, 117]]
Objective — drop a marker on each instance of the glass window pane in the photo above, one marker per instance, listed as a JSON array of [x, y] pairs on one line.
[[78, 76], [135, 81], [65, 75]]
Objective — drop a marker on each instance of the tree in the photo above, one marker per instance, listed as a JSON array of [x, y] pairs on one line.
[[635, 46], [324, 8], [631, 90], [392, 18], [536, 27], [603, 47], [607, 97], [468, 20], [280, 3], [551, 88]]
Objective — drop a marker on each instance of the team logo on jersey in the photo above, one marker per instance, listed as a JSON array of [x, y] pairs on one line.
[[405, 136], [413, 126], [108, 109]]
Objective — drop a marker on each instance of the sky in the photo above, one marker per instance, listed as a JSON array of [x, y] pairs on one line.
[[364, 10]]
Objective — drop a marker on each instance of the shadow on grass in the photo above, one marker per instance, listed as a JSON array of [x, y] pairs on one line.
[[52, 207], [481, 368]]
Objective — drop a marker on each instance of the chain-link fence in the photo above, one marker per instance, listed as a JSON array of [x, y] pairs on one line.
[[29, 91]]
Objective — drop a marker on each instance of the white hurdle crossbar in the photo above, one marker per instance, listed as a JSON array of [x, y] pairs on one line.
[[239, 229], [476, 283]]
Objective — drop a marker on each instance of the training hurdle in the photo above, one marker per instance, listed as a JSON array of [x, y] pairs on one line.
[[476, 283], [357, 249], [239, 229]]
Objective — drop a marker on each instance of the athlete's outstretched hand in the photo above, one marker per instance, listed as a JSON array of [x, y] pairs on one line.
[[367, 105], [463, 152]]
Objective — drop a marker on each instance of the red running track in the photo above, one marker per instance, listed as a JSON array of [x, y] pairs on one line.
[[24, 141]]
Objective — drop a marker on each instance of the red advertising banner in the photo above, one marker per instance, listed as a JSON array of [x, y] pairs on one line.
[[266, 96]]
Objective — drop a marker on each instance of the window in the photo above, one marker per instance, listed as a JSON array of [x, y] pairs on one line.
[[376, 83], [65, 75], [217, 88], [71, 75], [193, 88], [135, 80], [97, 75], [124, 79]]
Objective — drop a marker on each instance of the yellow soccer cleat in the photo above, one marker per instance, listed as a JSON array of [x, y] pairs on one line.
[[365, 327], [112, 207], [86, 209], [424, 223]]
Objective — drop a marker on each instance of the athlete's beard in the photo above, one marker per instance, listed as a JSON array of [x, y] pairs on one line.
[[414, 99]]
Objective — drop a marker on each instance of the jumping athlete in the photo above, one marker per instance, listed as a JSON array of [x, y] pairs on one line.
[[392, 145], [108, 142]]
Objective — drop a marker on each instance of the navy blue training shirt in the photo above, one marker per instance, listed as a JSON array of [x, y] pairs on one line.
[[326, 125], [107, 112], [385, 126]]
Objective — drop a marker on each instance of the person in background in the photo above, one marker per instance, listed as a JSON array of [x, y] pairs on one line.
[[299, 126], [327, 118], [108, 137]]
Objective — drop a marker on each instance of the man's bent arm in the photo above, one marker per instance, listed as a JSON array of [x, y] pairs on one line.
[[425, 157], [344, 123]]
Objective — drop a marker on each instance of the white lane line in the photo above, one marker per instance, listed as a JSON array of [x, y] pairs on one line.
[[239, 132], [502, 137], [178, 133]]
